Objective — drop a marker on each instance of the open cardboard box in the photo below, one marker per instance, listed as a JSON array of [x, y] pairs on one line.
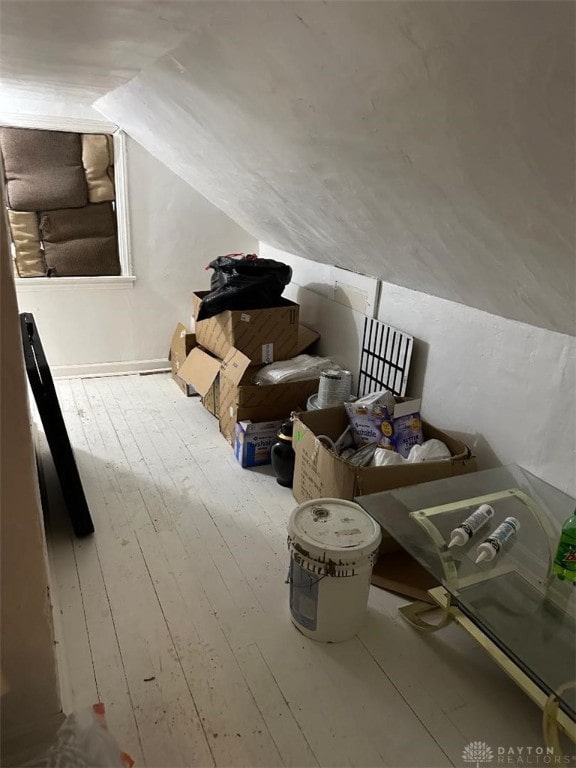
[[228, 392], [263, 335], [183, 342], [319, 473]]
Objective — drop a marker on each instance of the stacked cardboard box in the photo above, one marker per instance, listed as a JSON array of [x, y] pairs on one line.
[[228, 350], [263, 335]]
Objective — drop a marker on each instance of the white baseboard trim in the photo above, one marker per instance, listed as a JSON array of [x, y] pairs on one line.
[[109, 369]]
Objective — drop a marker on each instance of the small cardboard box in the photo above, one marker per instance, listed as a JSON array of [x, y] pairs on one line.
[[182, 344], [320, 473], [253, 442], [263, 335], [237, 398]]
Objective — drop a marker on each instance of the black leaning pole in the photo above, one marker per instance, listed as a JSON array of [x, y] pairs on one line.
[[46, 398]]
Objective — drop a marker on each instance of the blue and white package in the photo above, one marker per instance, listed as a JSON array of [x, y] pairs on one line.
[[398, 431], [407, 427], [370, 424]]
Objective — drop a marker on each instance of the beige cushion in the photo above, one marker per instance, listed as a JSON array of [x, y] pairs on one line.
[[43, 169], [81, 241], [29, 259], [98, 161]]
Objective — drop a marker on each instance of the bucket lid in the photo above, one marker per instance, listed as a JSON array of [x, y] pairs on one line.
[[334, 525]]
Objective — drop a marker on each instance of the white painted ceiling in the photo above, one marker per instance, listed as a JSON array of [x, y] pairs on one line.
[[80, 50], [428, 143]]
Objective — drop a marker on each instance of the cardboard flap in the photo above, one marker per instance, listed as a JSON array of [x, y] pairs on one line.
[[200, 369], [328, 421], [260, 427], [179, 334], [306, 337], [235, 365], [407, 407]]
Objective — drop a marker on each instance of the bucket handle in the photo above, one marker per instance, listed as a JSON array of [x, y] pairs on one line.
[[307, 586]]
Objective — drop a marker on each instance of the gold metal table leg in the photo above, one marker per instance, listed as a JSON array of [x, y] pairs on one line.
[[550, 722], [412, 613], [555, 721]]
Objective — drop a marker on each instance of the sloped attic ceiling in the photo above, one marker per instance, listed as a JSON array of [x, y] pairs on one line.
[[79, 50], [428, 143]]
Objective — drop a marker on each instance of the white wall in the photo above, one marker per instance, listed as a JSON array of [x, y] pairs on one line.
[[430, 144], [30, 698], [175, 232], [506, 387]]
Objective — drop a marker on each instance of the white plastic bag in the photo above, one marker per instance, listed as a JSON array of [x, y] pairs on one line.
[[298, 368], [431, 450], [83, 741], [383, 457]]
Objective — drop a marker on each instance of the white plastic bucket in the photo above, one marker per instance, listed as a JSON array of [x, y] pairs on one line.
[[333, 545]]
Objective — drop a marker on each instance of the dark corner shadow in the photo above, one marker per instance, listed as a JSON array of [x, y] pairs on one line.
[[418, 364], [56, 518], [486, 457], [265, 469]]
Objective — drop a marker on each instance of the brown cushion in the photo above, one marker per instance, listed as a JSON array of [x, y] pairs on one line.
[[43, 169], [29, 259], [98, 161], [81, 241]]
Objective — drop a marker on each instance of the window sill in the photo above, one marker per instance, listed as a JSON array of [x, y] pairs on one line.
[[41, 283]]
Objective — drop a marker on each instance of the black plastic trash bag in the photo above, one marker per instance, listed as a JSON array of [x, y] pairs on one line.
[[245, 283], [223, 264]]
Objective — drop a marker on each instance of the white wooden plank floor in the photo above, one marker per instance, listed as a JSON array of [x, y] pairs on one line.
[[175, 614]]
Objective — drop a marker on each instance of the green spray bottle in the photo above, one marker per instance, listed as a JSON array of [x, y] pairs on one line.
[[565, 561]]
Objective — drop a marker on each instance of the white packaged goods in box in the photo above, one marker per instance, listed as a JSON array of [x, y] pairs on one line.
[[319, 472]]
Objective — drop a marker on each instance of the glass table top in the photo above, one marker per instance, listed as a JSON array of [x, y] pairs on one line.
[[527, 612]]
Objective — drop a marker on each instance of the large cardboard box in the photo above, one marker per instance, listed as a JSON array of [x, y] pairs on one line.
[[263, 335], [182, 344], [320, 473], [238, 399]]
